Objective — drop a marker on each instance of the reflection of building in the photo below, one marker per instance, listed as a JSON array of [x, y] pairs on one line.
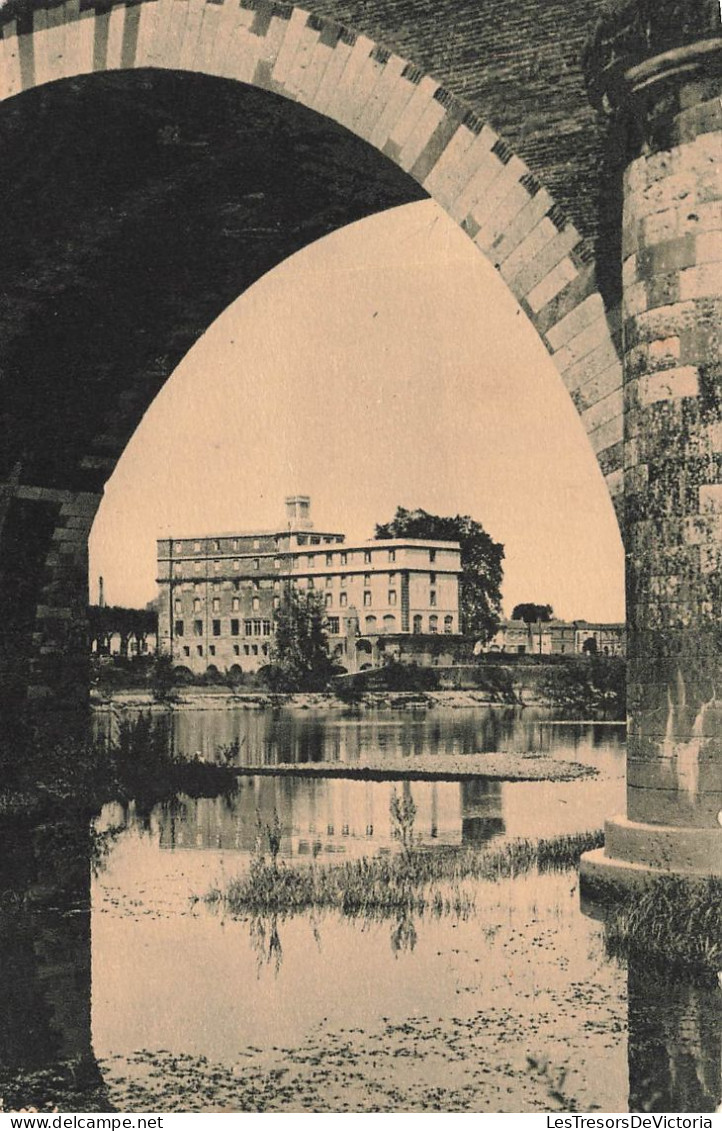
[[482, 814], [218, 593], [321, 816], [558, 637]]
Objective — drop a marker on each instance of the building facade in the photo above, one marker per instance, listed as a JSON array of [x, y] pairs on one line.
[[557, 637], [218, 593]]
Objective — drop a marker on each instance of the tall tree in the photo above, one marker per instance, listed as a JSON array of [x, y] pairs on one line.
[[300, 659], [481, 562], [531, 613]]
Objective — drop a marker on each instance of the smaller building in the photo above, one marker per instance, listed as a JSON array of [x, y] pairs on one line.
[[557, 638]]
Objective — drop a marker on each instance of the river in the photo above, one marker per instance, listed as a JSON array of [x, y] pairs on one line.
[[120, 989]]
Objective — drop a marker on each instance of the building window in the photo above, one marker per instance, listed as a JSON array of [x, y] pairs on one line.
[[197, 547], [178, 547], [178, 605], [329, 559], [186, 650], [256, 628], [276, 563], [179, 626], [216, 545], [256, 604], [196, 604], [212, 649], [236, 649], [196, 567], [236, 564], [197, 627], [432, 598], [256, 543], [246, 649], [333, 625], [392, 579], [392, 596], [367, 556], [254, 649], [389, 623], [256, 563], [417, 624], [276, 602], [367, 597], [315, 540], [432, 555], [343, 581], [370, 624], [328, 600], [235, 604], [216, 627], [177, 569], [235, 543], [216, 604], [433, 623], [199, 649], [264, 649], [392, 555], [329, 582], [247, 627], [367, 579], [344, 558], [343, 600], [235, 626], [448, 624], [432, 579], [311, 583], [266, 628]]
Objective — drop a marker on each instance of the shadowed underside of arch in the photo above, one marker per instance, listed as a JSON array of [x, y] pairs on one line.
[[388, 102]]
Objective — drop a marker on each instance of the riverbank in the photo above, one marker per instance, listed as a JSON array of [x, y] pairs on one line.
[[229, 699]]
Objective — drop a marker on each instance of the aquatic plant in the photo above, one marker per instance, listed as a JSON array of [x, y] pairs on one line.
[[673, 921], [386, 885]]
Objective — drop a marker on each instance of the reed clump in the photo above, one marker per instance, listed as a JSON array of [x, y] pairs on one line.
[[672, 922], [407, 881]]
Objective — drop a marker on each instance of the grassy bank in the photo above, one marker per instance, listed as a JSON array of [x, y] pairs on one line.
[[380, 885], [671, 922]]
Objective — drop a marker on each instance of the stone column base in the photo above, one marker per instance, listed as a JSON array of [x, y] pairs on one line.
[[635, 853]]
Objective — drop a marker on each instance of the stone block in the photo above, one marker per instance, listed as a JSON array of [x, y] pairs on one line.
[[443, 180], [592, 364], [10, 77], [529, 248], [437, 144], [521, 225], [396, 101], [343, 102], [189, 45], [421, 135], [295, 28], [558, 278], [391, 85], [701, 282]]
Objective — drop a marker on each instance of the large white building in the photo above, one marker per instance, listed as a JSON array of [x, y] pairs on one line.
[[218, 593]]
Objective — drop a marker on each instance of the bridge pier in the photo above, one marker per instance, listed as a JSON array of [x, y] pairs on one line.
[[666, 112]]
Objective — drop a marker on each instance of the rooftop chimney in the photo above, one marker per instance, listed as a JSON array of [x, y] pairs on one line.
[[298, 512]]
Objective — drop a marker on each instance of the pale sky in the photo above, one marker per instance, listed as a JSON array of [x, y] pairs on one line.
[[385, 364]]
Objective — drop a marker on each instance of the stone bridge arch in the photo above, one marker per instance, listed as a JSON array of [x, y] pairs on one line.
[[389, 102], [657, 441]]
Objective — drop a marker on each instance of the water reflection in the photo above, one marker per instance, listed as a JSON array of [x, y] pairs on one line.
[[675, 1043], [331, 817], [157, 980], [46, 1051], [266, 737]]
